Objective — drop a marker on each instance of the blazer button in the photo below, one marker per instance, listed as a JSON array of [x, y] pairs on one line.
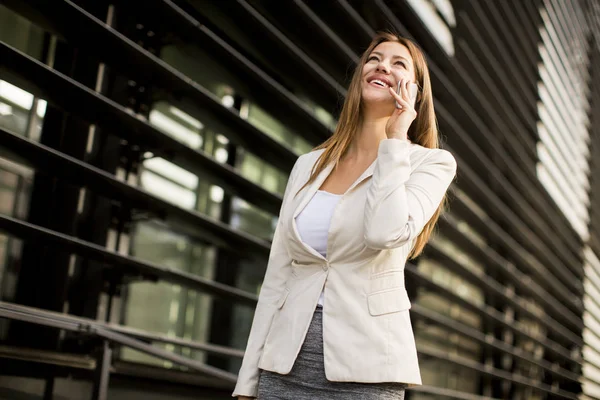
[[325, 267]]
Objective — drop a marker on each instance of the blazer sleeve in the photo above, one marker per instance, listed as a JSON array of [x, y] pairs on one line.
[[399, 203], [278, 271]]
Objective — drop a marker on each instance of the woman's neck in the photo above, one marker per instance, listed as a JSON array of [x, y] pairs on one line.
[[366, 142]]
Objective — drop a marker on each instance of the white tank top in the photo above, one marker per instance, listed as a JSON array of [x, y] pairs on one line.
[[314, 220]]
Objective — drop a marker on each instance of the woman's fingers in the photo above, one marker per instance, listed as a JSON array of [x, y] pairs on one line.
[[403, 96], [405, 89], [398, 98]]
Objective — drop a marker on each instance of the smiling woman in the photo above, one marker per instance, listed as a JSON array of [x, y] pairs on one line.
[[354, 210], [386, 53]]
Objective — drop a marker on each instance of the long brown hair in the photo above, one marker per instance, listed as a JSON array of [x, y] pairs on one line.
[[423, 130]]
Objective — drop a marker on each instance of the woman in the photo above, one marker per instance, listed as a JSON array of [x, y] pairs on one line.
[[332, 319]]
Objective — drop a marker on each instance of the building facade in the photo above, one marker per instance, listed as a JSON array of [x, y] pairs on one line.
[[144, 150]]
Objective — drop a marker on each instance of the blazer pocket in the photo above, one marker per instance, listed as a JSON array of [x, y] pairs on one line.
[[283, 298], [386, 280], [388, 301]]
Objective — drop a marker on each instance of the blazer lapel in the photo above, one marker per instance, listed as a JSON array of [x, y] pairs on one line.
[[367, 173], [311, 189]]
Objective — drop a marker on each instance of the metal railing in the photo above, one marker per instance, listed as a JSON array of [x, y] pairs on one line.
[[110, 336]]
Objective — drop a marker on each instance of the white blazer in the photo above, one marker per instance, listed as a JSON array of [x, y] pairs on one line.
[[367, 333]]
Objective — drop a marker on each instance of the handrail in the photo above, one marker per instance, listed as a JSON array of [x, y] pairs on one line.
[[125, 330], [74, 324]]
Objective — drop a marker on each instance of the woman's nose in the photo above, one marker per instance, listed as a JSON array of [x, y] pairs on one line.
[[382, 67]]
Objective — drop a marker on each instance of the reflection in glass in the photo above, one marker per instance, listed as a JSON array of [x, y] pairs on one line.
[[451, 281], [440, 373], [277, 130], [15, 111], [164, 308], [20, 33], [16, 180], [438, 23], [176, 129], [15, 189]]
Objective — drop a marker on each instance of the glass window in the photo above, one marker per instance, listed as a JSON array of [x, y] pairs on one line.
[[440, 373], [15, 190], [20, 33], [15, 103], [261, 173], [438, 15], [258, 117], [20, 113], [16, 114], [170, 309], [451, 281], [458, 254], [162, 307], [203, 69]]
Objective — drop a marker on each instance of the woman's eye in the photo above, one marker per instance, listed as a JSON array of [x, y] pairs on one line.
[[372, 58], [401, 63]]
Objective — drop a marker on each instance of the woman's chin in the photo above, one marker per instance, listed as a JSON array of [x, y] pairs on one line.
[[380, 104], [376, 97]]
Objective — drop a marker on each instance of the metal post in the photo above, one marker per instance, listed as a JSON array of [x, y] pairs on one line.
[[102, 373], [49, 388]]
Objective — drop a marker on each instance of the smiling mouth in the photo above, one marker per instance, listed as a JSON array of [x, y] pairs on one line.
[[379, 83]]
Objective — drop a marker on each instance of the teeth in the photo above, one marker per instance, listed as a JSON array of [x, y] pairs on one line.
[[379, 82]]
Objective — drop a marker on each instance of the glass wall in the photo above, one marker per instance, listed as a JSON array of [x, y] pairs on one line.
[[20, 113], [169, 309], [431, 336]]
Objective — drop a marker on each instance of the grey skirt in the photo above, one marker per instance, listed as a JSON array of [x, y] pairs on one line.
[[307, 379]]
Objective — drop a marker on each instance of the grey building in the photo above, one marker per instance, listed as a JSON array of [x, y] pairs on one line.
[[145, 146]]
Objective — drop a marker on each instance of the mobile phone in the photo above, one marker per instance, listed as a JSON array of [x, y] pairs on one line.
[[413, 89]]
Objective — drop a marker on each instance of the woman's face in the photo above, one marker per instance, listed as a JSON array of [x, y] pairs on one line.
[[386, 65]]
